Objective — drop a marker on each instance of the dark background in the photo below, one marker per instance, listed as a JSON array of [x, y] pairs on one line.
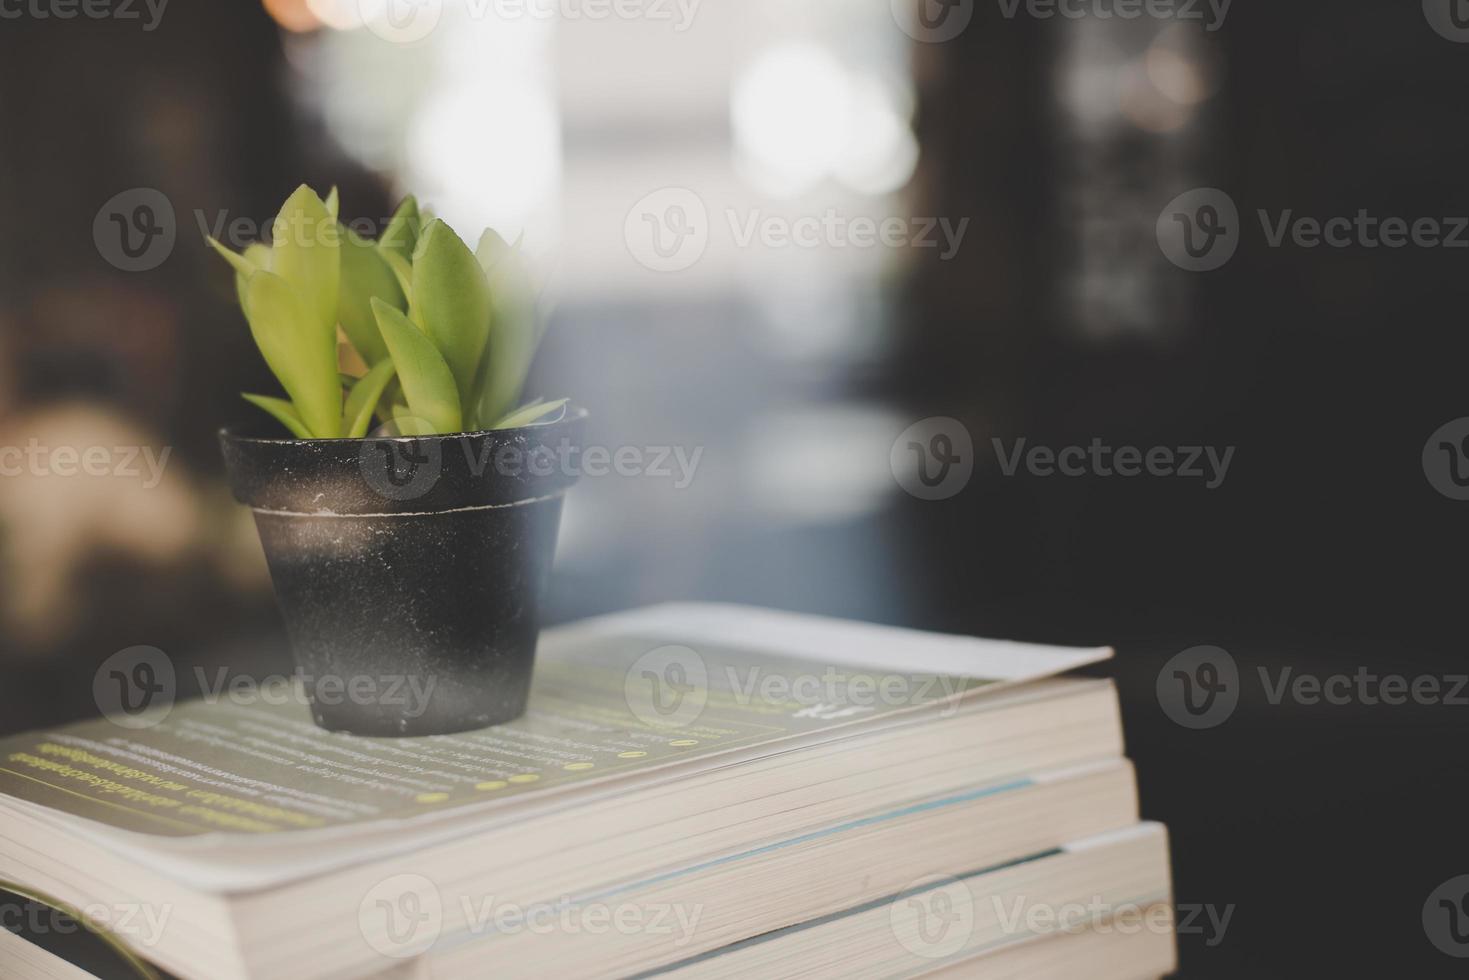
[[1326, 549]]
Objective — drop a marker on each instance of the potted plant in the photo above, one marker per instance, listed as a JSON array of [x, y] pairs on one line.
[[408, 562]]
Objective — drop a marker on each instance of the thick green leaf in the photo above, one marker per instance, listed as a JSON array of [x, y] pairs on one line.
[[284, 413], [298, 351], [256, 256], [402, 273], [527, 414], [392, 396], [333, 202], [365, 276], [242, 263], [306, 252], [492, 248], [400, 237], [514, 335], [363, 398], [404, 421], [396, 409], [428, 384], [451, 299]]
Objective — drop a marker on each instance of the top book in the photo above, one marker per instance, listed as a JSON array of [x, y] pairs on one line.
[[268, 837]]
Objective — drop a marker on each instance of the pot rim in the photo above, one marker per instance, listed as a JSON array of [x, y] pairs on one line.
[[574, 413], [445, 471]]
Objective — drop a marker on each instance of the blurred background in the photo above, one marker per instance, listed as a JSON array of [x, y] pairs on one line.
[[1023, 159]]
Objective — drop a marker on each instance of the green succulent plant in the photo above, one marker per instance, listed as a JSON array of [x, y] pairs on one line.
[[446, 334]]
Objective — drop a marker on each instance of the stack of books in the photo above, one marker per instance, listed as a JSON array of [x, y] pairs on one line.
[[696, 791]]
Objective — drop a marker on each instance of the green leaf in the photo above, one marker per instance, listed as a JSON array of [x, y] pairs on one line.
[[428, 384], [333, 202], [306, 252], [392, 396], [365, 276], [527, 414], [363, 398], [492, 248], [298, 351], [284, 413], [451, 298], [256, 256], [515, 334], [400, 237], [242, 263], [396, 409], [402, 272]]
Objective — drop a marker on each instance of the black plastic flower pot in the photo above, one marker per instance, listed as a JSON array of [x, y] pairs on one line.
[[410, 571]]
